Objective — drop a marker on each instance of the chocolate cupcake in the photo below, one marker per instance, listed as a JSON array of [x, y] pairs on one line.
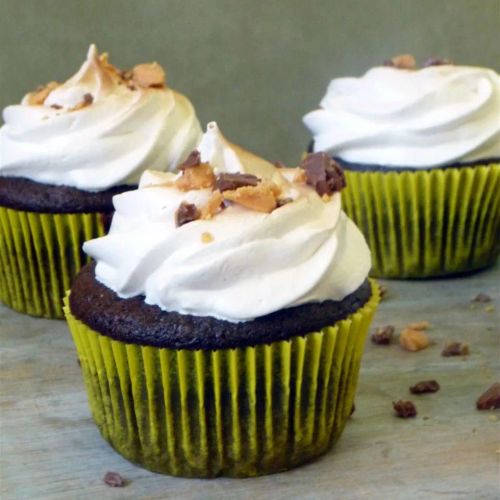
[[65, 151], [220, 331], [421, 153]]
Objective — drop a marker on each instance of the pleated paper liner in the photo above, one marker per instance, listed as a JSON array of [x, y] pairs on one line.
[[430, 223], [39, 256], [232, 412]]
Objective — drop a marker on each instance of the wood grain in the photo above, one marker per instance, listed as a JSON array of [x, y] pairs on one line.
[[50, 448]]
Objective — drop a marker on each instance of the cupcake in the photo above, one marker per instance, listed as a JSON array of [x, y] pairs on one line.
[[221, 327], [64, 152], [421, 150]]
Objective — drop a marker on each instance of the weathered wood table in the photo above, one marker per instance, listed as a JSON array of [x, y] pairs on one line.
[[50, 448]]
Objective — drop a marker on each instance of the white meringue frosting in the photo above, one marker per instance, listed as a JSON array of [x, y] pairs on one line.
[[108, 142], [253, 264], [430, 117]]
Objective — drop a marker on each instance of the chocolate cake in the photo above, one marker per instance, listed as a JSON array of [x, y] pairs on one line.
[[373, 167], [133, 321], [24, 194]]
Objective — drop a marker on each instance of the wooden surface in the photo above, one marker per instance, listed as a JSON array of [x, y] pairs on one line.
[[50, 448]]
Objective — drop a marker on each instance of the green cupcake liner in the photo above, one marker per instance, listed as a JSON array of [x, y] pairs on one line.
[[430, 223], [39, 256], [232, 412]]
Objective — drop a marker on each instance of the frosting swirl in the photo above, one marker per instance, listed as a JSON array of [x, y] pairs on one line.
[[253, 264], [96, 131], [430, 117]]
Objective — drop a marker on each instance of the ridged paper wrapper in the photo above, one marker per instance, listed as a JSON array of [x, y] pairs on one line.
[[40, 253], [430, 223], [232, 412]]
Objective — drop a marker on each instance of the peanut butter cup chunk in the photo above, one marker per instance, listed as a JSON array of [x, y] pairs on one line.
[[195, 175], [455, 349], [187, 212], [404, 409], [193, 160], [402, 61], [383, 335], [323, 173], [413, 340], [424, 387], [149, 75], [38, 97], [227, 182], [114, 479], [261, 198]]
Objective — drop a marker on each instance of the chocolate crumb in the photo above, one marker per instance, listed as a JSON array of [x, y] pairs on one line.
[[323, 173], [193, 160], [187, 212], [383, 335], [404, 409], [88, 98], [229, 182], [483, 298], [56, 106], [279, 164], [114, 479], [455, 349], [424, 387], [437, 61], [382, 290], [490, 399]]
